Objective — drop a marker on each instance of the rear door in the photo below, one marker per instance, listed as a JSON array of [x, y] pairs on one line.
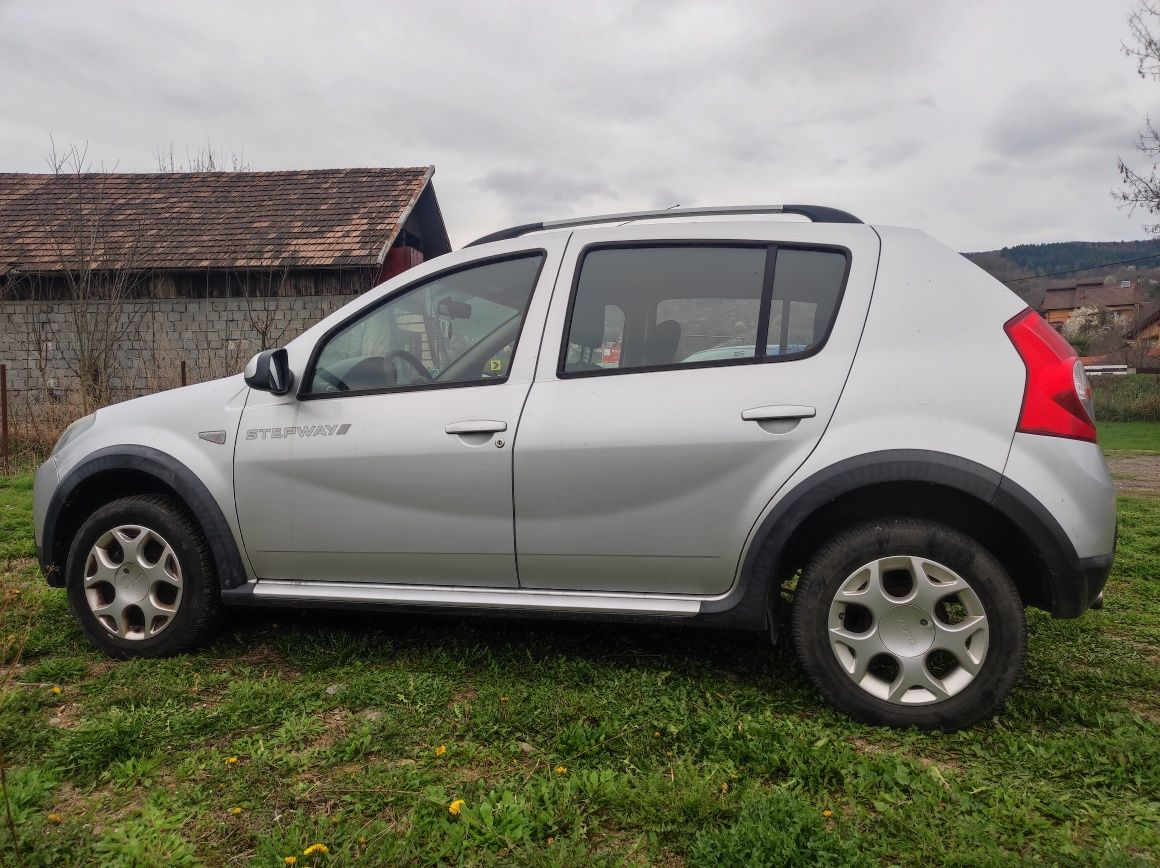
[[682, 380]]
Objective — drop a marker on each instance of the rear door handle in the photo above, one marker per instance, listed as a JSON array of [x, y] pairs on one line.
[[476, 426], [778, 411]]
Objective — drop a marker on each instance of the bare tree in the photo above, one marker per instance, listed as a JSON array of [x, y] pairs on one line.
[[263, 315], [96, 273], [1141, 188], [207, 158]]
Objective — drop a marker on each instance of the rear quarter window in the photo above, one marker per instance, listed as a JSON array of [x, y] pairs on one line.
[[806, 287]]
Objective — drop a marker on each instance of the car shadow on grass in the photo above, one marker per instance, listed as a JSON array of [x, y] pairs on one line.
[[310, 640]]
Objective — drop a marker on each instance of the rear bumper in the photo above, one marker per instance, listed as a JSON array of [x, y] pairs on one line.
[[1070, 583], [1060, 494]]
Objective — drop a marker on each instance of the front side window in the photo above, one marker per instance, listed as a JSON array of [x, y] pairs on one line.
[[456, 328], [703, 304]]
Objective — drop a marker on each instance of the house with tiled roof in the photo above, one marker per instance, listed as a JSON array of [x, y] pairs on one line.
[[219, 234], [192, 272], [1125, 297]]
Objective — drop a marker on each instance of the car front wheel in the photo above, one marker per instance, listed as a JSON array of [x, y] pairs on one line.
[[907, 622], [141, 579]]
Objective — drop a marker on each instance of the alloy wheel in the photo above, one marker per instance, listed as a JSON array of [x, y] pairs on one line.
[[908, 630], [133, 582]]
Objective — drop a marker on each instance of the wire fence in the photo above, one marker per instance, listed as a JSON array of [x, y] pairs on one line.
[[32, 420]]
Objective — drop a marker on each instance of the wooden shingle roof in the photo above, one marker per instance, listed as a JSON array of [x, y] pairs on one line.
[[195, 220]]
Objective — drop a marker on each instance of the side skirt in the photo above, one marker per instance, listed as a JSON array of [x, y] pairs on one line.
[[269, 592]]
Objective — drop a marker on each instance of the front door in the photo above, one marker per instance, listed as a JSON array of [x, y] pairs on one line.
[[681, 383], [393, 461]]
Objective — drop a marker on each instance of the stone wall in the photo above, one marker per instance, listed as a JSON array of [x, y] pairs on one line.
[[214, 337]]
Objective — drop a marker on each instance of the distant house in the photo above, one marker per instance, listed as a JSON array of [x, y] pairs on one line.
[[218, 234], [1125, 298], [1146, 334]]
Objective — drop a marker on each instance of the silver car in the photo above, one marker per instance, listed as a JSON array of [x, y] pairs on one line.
[[846, 435]]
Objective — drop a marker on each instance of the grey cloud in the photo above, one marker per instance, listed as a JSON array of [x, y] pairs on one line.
[[533, 111], [885, 155], [1038, 122], [540, 191]]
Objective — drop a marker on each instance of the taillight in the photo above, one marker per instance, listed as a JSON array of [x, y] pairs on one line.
[[1057, 396]]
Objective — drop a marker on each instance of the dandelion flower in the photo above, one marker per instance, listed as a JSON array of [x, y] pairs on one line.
[[827, 813], [442, 749], [724, 786], [235, 810], [561, 770], [504, 698], [231, 761], [290, 860], [455, 807], [362, 841], [55, 691], [54, 818], [316, 850]]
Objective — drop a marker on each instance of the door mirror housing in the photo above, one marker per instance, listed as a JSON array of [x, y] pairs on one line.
[[269, 371]]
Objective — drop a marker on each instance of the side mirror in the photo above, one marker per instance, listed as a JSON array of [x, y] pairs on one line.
[[269, 371]]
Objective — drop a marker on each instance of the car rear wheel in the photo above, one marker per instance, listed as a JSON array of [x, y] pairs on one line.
[[907, 622], [141, 579]]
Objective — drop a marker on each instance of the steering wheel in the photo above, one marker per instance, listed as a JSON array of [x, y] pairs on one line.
[[390, 356]]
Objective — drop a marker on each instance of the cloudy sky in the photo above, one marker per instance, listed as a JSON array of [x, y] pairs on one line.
[[985, 123]]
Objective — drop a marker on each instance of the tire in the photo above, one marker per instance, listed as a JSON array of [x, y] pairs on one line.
[[163, 599], [941, 653]]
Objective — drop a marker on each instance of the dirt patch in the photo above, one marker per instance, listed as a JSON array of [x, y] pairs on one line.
[[463, 696], [1135, 474], [66, 716], [1146, 710], [261, 657]]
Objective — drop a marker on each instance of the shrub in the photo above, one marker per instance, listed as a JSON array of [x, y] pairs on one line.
[[1134, 398]]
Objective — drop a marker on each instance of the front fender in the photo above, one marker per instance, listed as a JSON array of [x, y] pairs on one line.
[[168, 473]]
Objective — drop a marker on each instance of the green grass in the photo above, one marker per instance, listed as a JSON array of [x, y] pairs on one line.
[[568, 743], [1129, 436]]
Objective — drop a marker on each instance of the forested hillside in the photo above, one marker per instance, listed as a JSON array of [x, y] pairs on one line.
[[1033, 260]]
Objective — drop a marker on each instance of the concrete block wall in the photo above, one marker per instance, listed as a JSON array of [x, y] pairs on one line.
[[214, 337]]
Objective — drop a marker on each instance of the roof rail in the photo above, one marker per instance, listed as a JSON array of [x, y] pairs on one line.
[[816, 213]]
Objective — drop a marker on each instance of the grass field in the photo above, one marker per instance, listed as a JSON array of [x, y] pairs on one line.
[[560, 744], [1129, 436]]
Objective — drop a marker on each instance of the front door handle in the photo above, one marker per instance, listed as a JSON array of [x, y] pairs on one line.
[[476, 426], [778, 411]]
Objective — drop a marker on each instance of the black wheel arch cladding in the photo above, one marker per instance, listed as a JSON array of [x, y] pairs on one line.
[[165, 470], [1067, 577]]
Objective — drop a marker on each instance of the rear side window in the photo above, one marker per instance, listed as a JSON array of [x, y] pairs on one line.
[[665, 306], [806, 286]]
